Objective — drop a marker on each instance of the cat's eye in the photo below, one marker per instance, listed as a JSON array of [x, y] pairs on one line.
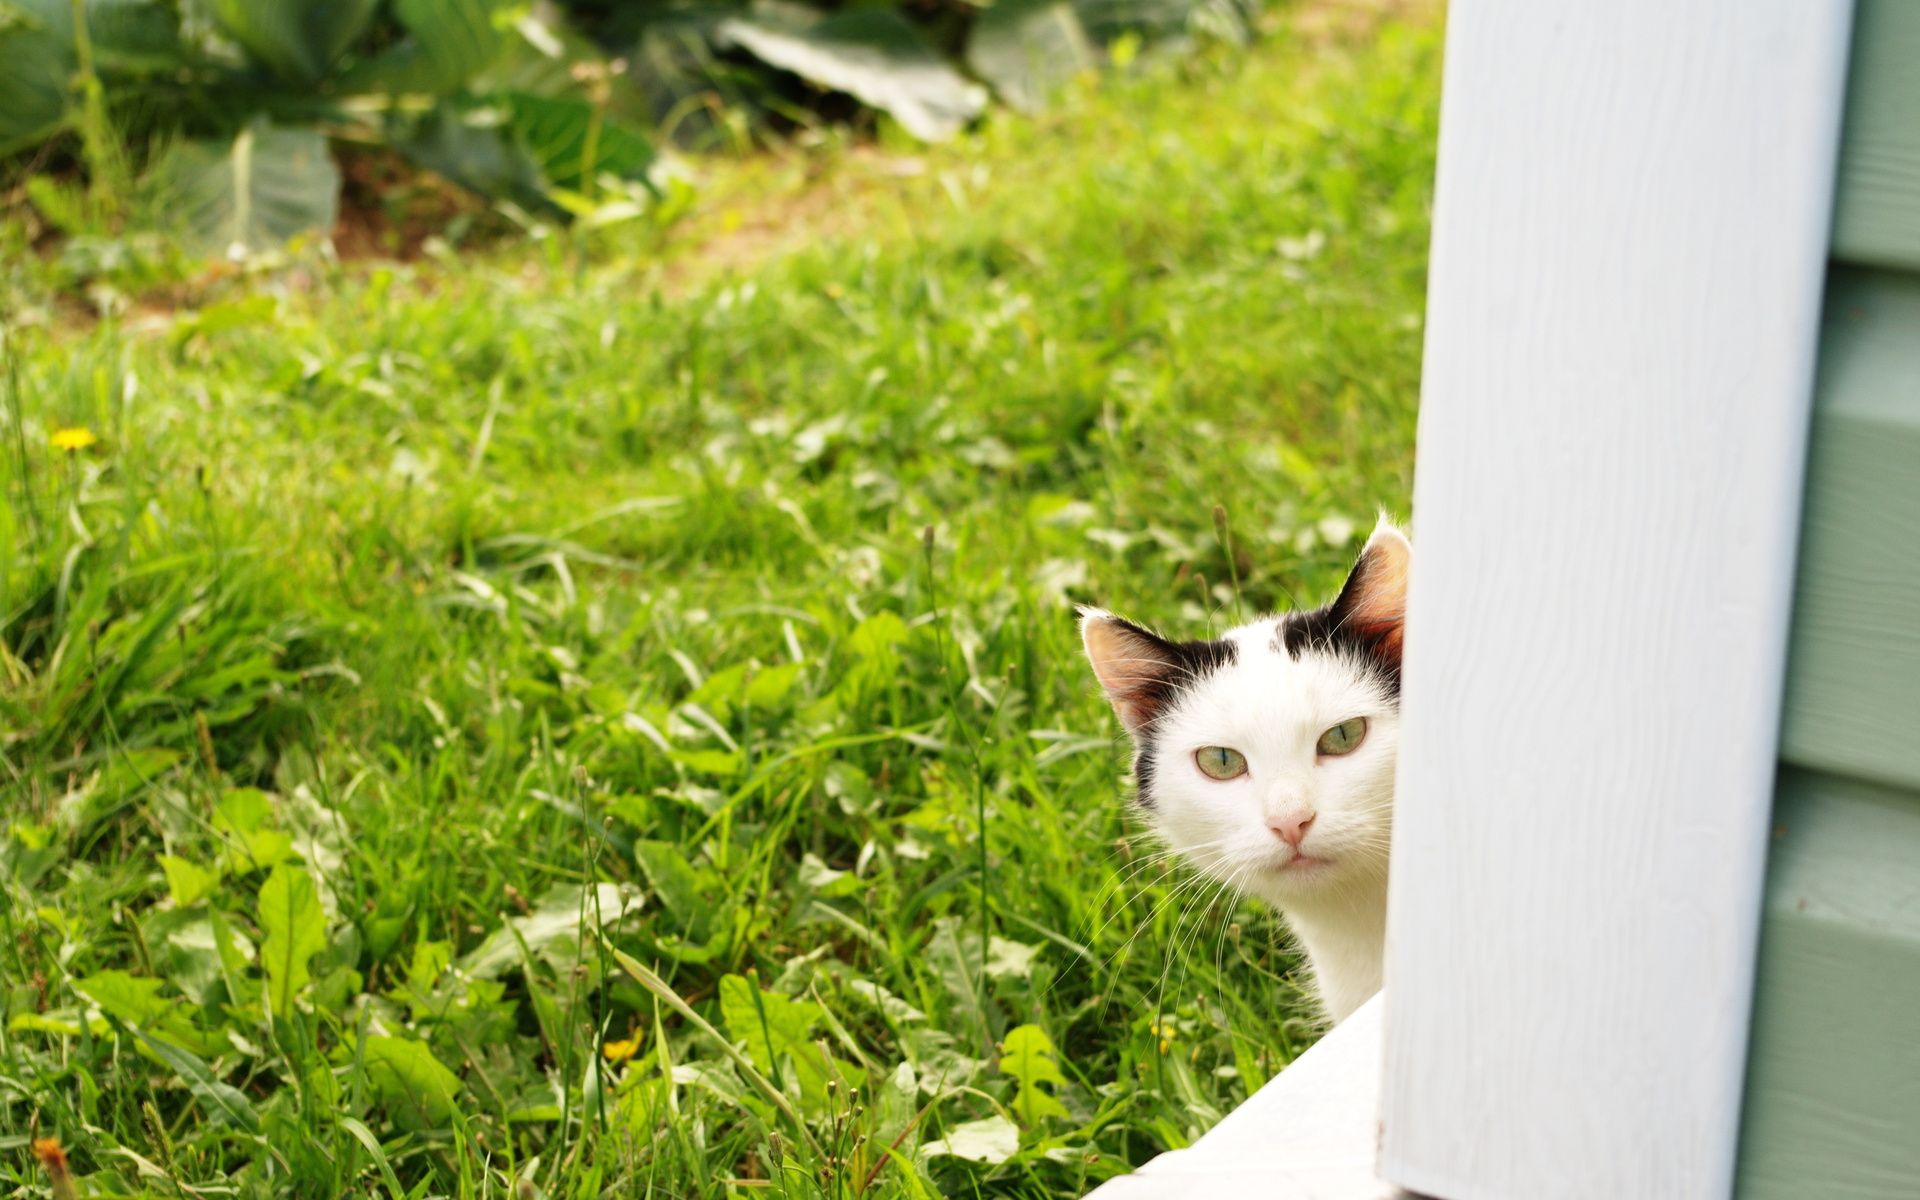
[[1343, 738], [1221, 762]]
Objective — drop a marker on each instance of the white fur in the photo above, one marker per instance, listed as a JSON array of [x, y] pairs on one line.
[[1272, 708]]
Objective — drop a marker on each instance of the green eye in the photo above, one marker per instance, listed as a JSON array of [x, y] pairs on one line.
[[1343, 738], [1220, 762]]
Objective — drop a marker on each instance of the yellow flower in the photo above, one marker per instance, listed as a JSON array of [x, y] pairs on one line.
[[79, 437], [621, 1051], [54, 1159]]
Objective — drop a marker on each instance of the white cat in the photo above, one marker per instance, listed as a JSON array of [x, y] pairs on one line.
[[1266, 757]]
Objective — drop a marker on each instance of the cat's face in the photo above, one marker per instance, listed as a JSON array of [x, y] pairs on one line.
[[1267, 757]]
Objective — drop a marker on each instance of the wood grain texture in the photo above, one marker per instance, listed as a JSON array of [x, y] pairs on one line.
[[1876, 218], [1833, 1092], [1853, 680], [1632, 218]]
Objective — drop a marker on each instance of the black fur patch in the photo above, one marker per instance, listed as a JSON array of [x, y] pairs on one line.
[[1326, 630], [1187, 664]]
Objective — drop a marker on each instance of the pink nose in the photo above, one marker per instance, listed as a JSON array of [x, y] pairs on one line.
[[1291, 827]]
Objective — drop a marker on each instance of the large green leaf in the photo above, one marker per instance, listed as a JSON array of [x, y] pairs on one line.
[[457, 38], [416, 1087], [476, 153], [1027, 49], [556, 131], [874, 55], [297, 39], [131, 36], [255, 192], [448, 42], [296, 929], [36, 62]]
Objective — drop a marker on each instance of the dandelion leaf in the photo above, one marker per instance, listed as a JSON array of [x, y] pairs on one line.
[[994, 1140], [416, 1088], [289, 912], [775, 1028], [188, 882], [244, 815], [678, 887], [119, 994], [1029, 1056]]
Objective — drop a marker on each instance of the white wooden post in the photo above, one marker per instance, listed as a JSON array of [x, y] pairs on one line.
[[1630, 228]]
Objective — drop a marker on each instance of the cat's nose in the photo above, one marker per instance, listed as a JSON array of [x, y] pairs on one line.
[[1291, 827]]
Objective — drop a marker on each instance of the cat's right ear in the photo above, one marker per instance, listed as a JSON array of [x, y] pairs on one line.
[[1137, 668], [1372, 607]]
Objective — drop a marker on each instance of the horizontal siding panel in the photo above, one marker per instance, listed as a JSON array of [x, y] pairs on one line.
[[1833, 1091], [1877, 209], [1853, 683]]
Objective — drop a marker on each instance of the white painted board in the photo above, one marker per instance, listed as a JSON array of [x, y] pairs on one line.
[[1630, 229], [1309, 1134]]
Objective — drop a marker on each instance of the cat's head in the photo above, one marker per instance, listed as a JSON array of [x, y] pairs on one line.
[[1266, 757]]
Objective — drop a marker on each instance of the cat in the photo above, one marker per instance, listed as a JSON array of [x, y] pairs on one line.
[[1266, 757]]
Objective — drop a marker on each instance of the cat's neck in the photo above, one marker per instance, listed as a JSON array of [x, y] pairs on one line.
[[1344, 934]]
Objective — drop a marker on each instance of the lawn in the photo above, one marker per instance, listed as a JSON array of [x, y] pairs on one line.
[[418, 644]]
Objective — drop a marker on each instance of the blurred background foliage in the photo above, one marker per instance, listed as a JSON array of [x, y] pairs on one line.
[[223, 125]]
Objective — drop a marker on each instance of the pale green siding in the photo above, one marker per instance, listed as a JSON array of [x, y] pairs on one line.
[[1877, 209], [1833, 1086], [1833, 1091], [1853, 686]]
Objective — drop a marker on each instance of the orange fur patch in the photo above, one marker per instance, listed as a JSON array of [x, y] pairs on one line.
[[1375, 600]]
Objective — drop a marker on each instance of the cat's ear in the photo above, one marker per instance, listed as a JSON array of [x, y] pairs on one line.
[[1137, 667], [1372, 608]]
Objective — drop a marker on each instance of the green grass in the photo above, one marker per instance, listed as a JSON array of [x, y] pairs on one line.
[[394, 604]]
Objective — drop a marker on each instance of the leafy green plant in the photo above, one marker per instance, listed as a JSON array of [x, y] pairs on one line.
[[227, 104], [289, 913], [911, 61], [233, 102], [1028, 1055]]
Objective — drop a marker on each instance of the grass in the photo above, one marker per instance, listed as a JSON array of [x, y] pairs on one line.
[[417, 645]]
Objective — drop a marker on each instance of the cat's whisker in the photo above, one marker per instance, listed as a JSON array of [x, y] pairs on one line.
[[1190, 883], [1182, 941], [1133, 871]]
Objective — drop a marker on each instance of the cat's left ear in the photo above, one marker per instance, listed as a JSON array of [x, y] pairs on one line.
[[1137, 668], [1372, 608]]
